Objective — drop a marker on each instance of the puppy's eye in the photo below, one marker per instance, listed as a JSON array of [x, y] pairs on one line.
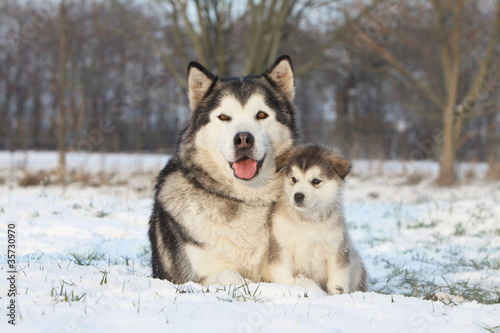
[[224, 117], [294, 180], [316, 181], [262, 115]]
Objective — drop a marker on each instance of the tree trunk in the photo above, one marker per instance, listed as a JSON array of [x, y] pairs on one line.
[[36, 123], [492, 150], [342, 124], [62, 92], [447, 163], [450, 64], [4, 110]]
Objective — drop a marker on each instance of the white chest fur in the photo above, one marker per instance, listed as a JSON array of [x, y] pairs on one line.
[[232, 234]]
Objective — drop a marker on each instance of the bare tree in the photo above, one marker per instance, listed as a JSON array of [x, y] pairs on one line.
[[455, 98], [252, 34]]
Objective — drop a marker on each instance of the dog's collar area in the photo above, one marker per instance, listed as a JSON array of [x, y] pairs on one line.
[[246, 168]]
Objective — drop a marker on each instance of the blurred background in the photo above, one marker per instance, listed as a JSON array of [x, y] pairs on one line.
[[402, 80]]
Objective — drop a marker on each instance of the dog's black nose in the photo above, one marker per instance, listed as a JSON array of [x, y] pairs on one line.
[[243, 140], [299, 197]]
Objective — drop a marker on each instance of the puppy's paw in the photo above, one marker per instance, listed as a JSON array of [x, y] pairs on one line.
[[246, 281], [308, 284]]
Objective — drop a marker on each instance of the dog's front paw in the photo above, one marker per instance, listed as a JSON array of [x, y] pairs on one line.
[[338, 290], [228, 277]]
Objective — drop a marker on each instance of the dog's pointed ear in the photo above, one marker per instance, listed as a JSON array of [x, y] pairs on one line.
[[341, 165], [281, 73], [199, 82]]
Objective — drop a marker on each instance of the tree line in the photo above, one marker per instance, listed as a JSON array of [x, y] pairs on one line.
[[382, 79]]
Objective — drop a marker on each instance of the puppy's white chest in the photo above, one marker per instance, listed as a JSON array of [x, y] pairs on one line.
[[309, 244]]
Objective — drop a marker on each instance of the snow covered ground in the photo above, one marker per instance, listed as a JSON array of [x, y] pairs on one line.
[[433, 255]]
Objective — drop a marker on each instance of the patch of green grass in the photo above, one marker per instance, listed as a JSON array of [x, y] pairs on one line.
[[241, 293], [486, 262], [62, 295], [37, 255], [122, 260], [87, 259], [472, 292], [93, 257], [459, 230], [409, 284], [413, 283], [102, 213], [127, 261], [144, 256], [495, 329], [185, 289], [104, 279], [423, 225], [230, 293]]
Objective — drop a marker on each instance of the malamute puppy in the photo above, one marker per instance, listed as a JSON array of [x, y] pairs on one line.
[[309, 243], [214, 197]]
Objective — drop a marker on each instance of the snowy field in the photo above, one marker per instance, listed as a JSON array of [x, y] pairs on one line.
[[433, 255]]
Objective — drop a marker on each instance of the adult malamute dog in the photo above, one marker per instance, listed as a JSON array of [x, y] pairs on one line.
[[214, 197], [309, 243]]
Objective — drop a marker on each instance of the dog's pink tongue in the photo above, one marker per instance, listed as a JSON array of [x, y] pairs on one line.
[[245, 169]]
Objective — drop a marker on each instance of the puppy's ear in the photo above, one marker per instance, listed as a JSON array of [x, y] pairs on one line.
[[282, 160], [281, 73], [200, 80], [341, 165]]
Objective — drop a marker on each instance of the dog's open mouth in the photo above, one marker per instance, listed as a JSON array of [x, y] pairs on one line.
[[246, 168]]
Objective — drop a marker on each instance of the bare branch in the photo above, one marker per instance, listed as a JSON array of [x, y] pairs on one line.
[[398, 66], [336, 37], [477, 86]]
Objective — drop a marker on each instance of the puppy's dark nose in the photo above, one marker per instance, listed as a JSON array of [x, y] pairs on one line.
[[299, 197], [243, 140]]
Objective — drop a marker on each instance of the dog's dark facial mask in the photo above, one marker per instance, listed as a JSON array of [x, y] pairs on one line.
[[245, 122]]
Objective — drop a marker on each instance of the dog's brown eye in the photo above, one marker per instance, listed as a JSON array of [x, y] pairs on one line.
[[294, 180], [262, 115], [316, 181], [224, 117]]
